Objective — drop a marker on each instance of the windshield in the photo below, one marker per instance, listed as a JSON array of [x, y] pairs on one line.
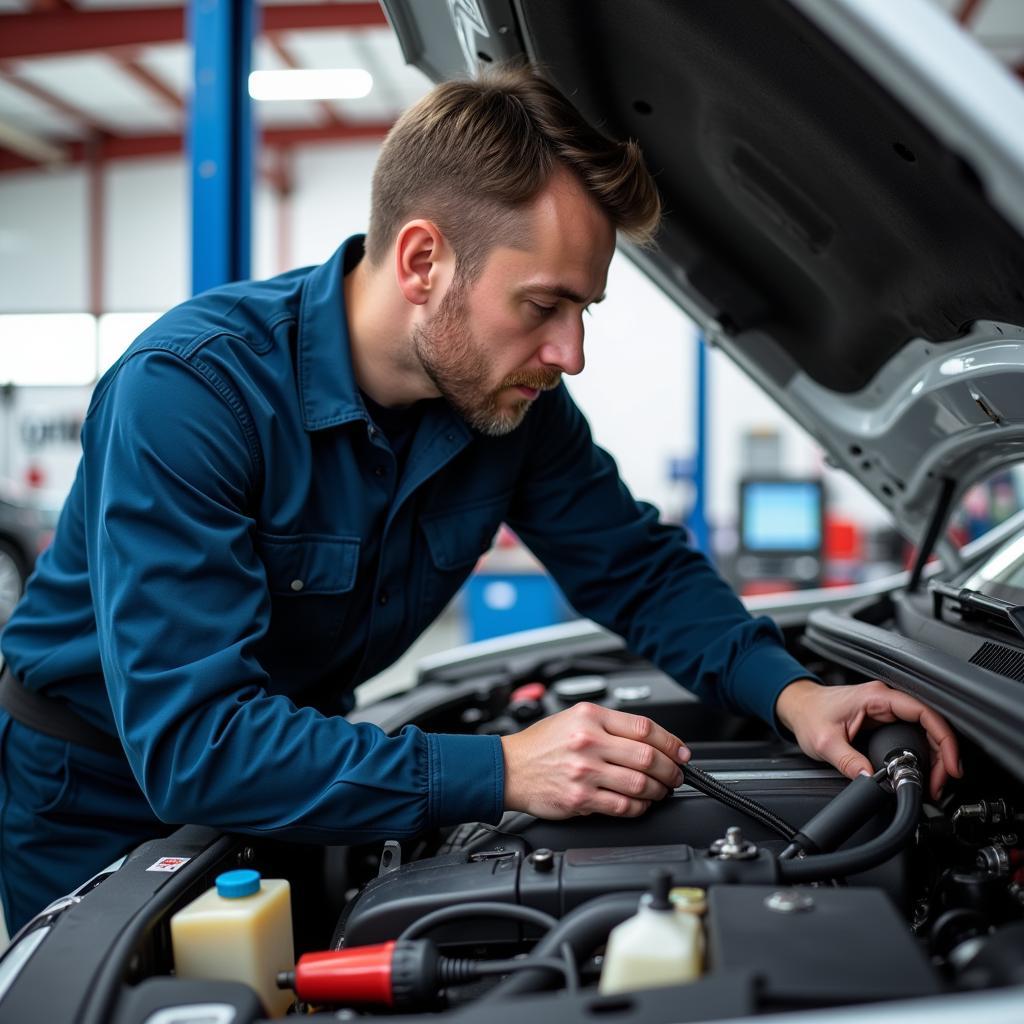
[[1002, 576]]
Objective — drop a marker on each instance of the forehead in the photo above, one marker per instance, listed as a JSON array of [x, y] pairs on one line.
[[568, 241]]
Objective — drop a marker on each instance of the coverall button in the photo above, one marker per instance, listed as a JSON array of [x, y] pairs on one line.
[[378, 470], [297, 584], [451, 437], [382, 598]]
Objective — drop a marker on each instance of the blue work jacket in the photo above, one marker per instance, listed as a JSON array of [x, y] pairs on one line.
[[239, 551]]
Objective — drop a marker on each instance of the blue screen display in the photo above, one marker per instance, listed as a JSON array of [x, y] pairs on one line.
[[781, 515]]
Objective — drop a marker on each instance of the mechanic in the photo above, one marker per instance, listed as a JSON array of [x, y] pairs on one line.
[[284, 482]]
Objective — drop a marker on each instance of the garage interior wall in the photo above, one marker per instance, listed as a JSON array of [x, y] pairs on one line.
[[637, 339]]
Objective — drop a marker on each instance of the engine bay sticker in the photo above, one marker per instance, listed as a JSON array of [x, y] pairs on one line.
[[169, 864]]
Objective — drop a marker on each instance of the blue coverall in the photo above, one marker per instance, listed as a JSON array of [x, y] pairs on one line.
[[238, 552]]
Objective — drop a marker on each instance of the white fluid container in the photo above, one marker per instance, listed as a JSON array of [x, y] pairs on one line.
[[659, 945], [240, 930]]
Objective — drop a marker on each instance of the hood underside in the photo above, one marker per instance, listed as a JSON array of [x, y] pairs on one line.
[[844, 191]]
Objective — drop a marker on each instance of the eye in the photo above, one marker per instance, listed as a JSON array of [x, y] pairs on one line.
[[539, 309]]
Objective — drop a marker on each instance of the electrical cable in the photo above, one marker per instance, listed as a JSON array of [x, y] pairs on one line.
[[481, 968], [584, 929], [491, 909], [572, 977], [710, 786]]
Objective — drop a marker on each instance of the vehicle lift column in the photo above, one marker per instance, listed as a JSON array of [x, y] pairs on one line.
[[221, 140]]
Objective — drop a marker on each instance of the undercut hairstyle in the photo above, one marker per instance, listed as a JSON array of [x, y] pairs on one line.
[[472, 153]]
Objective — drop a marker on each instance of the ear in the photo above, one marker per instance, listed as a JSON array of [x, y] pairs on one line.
[[422, 261]]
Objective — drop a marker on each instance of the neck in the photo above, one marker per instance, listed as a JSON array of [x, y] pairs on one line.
[[385, 365]]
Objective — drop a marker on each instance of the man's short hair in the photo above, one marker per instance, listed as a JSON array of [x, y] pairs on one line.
[[472, 152]]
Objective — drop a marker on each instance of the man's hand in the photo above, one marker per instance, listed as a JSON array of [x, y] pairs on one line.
[[825, 718], [588, 759]]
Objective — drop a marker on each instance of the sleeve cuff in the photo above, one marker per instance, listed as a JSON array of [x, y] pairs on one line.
[[763, 673], [467, 779]]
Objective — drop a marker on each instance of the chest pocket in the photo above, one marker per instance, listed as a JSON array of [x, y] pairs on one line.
[[311, 578], [309, 564], [456, 539]]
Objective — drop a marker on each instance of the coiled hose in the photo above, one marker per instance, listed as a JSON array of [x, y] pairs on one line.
[[822, 866]]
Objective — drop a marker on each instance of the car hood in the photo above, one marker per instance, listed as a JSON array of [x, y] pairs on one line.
[[844, 191]]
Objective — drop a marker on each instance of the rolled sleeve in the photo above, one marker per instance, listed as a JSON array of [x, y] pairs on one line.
[[467, 778]]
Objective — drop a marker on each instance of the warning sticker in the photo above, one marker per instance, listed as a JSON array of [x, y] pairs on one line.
[[169, 864]]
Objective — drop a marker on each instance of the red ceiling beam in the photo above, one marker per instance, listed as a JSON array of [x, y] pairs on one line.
[[75, 31], [287, 17], [151, 83], [967, 10], [128, 147], [85, 122], [371, 131], [15, 162]]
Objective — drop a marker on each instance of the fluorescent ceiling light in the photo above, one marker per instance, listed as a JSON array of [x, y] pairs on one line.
[[301, 84]]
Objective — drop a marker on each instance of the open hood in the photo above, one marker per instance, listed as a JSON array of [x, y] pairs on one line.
[[844, 187]]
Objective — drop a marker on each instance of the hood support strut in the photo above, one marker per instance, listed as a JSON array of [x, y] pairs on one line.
[[931, 535]]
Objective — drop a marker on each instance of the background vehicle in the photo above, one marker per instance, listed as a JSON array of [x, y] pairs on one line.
[[25, 530]]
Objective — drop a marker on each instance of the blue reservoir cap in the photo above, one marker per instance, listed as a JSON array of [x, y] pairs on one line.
[[233, 884]]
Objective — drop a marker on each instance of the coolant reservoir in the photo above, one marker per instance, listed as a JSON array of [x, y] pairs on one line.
[[659, 945], [240, 930]]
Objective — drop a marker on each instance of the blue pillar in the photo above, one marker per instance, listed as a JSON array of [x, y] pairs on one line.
[[221, 140], [697, 522]]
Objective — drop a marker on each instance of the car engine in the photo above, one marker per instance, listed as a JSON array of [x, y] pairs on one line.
[[808, 890], [765, 883]]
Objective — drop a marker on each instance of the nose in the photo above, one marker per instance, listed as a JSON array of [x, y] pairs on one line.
[[563, 346]]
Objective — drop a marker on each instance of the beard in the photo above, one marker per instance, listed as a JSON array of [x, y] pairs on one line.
[[455, 361]]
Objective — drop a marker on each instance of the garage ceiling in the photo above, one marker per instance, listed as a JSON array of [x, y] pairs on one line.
[[109, 78]]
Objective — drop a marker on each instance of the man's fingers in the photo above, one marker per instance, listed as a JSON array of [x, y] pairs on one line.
[[605, 801], [643, 730], [643, 758], [940, 737], [632, 784], [849, 761], [937, 779]]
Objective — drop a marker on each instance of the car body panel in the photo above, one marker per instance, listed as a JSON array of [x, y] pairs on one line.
[[844, 186]]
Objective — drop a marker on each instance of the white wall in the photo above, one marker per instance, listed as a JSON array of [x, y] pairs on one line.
[[637, 389], [637, 386], [43, 242], [146, 264], [332, 198]]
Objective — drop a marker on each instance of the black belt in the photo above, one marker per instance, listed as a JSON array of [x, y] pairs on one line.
[[53, 717]]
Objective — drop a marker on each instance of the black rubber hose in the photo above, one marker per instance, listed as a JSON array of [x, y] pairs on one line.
[[710, 786], [859, 802], [823, 866], [584, 929], [460, 972], [479, 909]]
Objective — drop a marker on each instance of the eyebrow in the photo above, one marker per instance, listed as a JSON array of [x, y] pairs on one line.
[[564, 293]]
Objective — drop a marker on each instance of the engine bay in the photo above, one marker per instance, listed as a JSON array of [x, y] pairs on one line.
[[799, 889]]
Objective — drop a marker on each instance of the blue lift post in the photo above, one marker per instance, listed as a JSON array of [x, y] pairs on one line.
[[697, 522], [221, 141]]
